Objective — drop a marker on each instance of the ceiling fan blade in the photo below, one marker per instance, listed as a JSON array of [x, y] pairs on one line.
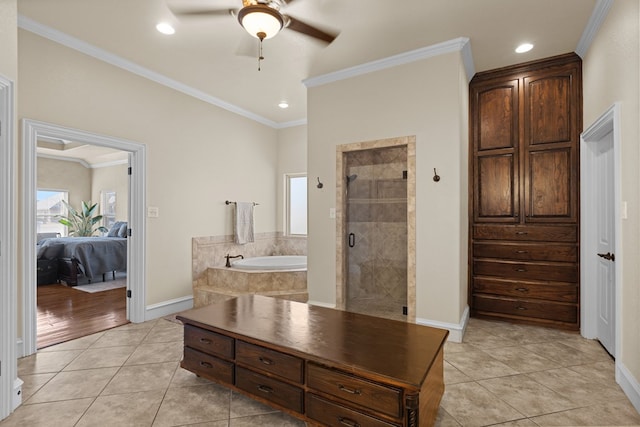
[[203, 12], [299, 26]]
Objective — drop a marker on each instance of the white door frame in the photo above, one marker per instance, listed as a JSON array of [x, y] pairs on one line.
[[136, 279], [9, 398], [608, 122]]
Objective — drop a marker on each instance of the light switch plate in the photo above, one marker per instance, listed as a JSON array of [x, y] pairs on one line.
[[153, 212]]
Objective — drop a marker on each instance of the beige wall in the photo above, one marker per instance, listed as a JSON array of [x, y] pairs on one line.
[[612, 74], [198, 155], [426, 99], [292, 158], [112, 178], [64, 175]]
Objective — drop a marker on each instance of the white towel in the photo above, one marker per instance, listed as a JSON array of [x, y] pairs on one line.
[[243, 224]]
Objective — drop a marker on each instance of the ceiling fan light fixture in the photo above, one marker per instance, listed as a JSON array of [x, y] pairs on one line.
[[261, 21]]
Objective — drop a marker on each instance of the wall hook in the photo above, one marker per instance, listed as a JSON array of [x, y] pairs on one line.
[[436, 177], [320, 185]]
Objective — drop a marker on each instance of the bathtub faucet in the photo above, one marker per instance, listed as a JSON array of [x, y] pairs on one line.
[[228, 257]]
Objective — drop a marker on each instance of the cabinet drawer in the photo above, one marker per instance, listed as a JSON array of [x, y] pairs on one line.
[[386, 400], [526, 251], [275, 391], [555, 291], [270, 361], [207, 366], [332, 414], [207, 341], [551, 233], [526, 308], [556, 272]]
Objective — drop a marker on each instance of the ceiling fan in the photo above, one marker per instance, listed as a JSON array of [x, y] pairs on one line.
[[262, 19]]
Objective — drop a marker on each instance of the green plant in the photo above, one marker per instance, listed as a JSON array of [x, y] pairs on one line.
[[82, 223]]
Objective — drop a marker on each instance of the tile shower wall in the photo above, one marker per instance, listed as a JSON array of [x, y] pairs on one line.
[[377, 217]]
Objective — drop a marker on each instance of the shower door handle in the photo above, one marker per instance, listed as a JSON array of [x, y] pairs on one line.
[[352, 240]]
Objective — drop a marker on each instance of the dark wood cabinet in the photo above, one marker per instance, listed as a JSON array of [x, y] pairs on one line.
[[524, 192]]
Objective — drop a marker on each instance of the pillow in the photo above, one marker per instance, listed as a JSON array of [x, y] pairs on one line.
[[123, 230], [115, 229]]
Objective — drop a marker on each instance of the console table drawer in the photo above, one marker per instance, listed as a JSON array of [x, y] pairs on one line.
[[332, 414], [270, 361], [209, 342], [386, 400], [207, 366], [275, 391]]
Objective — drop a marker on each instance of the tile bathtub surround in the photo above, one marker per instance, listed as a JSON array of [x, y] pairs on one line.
[[501, 374], [210, 251]]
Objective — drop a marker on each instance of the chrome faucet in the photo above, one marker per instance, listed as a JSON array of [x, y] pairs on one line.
[[228, 257]]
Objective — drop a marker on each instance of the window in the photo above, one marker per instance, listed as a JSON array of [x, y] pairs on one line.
[[296, 210], [108, 207], [49, 206]]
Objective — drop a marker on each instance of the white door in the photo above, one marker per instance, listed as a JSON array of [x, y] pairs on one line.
[[605, 256]]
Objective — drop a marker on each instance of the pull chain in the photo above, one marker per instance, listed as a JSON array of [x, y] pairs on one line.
[[261, 37]]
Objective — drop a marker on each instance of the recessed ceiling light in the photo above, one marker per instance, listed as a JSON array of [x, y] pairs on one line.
[[524, 47], [283, 105], [165, 28]]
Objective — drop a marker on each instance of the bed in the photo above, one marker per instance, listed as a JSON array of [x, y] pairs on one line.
[[71, 257]]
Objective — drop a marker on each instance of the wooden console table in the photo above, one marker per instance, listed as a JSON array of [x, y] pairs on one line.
[[325, 366]]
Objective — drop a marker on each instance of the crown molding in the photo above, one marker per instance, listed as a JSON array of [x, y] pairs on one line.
[[599, 14], [64, 39], [65, 159], [454, 45]]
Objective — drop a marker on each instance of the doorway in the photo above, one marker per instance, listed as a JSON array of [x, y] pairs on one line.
[[32, 132], [601, 216], [376, 223]]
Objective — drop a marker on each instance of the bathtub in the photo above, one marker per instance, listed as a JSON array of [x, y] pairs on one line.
[[276, 276], [280, 262]]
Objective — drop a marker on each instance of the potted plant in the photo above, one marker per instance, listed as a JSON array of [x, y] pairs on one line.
[[82, 223]]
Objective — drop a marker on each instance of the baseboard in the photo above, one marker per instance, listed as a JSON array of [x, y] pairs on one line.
[[456, 331], [165, 308], [19, 348], [16, 399], [321, 304], [629, 385]]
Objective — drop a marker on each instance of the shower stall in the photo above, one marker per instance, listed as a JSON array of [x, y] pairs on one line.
[[375, 249]]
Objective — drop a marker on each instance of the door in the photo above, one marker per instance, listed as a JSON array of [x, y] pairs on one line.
[[605, 256]]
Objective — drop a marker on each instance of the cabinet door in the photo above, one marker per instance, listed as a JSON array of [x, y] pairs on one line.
[[495, 152], [550, 145]]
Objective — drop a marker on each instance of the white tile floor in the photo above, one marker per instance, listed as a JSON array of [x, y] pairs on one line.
[[502, 374]]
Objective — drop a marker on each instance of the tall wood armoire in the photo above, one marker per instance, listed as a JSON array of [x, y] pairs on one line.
[[524, 192]]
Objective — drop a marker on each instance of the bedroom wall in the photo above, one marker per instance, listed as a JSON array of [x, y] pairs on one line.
[[425, 99], [112, 178], [198, 155], [65, 175], [611, 70]]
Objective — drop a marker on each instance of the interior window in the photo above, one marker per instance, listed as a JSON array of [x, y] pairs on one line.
[[49, 206], [296, 212]]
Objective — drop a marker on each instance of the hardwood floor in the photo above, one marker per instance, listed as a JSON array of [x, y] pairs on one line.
[[65, 313]]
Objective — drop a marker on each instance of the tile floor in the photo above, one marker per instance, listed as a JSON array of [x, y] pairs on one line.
[[502, 374]]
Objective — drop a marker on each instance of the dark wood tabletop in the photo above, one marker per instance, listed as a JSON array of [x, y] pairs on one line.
[[399, 351]]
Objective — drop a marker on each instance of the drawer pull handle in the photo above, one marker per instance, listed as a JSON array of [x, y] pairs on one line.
[[522, 289], [348, 390], [348, 422], [205, 341], [521, 270], [522, 252], [206, 365], [521, 307], [265, 360], [265, 389], [522, 233]]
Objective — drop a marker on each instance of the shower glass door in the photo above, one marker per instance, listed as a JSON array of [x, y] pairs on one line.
[[376, 231]]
